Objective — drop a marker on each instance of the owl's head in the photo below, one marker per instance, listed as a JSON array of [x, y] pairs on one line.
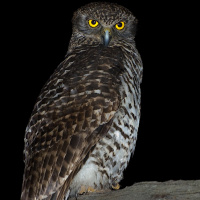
[[103, 23]]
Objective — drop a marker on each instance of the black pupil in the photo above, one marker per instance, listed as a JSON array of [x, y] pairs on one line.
[[119, 24], [93, 22]]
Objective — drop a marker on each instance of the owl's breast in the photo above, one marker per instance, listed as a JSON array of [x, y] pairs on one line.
[[112, 153], [110, 156]]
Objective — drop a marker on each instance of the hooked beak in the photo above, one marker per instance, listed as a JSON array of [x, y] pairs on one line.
[[106, 37]]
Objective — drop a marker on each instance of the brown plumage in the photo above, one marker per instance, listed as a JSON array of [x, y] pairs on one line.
[[79, 106]]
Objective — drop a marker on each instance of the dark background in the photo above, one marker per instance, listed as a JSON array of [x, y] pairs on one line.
[[168, 139]]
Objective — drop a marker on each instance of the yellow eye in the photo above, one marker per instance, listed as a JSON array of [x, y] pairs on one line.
[[93, 23], [120, 25]]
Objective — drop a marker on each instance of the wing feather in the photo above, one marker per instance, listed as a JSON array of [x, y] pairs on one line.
[[74, 110]]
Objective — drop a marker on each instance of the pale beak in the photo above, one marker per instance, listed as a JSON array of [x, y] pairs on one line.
[[106, 37]]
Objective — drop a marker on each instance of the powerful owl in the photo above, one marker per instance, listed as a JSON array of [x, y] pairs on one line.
[[84, 125]]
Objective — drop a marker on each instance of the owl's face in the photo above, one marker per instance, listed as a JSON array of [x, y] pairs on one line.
[[104, 23]]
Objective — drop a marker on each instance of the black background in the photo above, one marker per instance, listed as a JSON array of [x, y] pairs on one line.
[[168, 139]]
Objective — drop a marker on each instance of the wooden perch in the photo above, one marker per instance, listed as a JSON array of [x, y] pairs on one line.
[[170, 190]]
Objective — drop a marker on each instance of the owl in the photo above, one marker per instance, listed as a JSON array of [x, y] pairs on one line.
[[83, 127]]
